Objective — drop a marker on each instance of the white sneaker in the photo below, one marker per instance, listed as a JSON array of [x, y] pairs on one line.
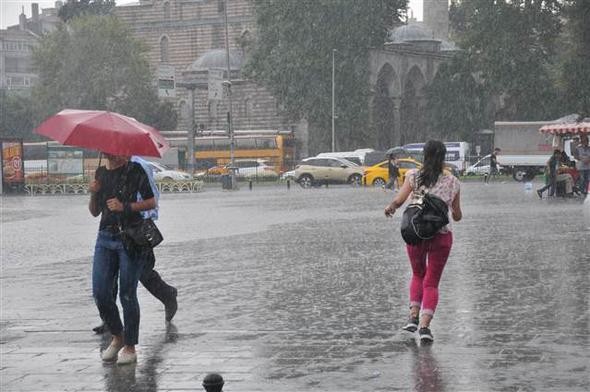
[[111, 352], [126, 358]]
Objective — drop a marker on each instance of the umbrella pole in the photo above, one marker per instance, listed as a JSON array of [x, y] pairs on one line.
[[99, 161]]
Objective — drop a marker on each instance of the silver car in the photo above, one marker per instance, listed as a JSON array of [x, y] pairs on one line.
[[319, 171]]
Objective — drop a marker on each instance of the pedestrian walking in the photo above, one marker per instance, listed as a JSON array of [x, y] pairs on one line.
[[429, 257], [150, 278], [493, 165], [113, 196], [393, 171], [583, 157]]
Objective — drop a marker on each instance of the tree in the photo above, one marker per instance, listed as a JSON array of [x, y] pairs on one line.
[[93, 62], [75, 8], [574, 78], [458, 104], [292, 57], [15, 115], [511, 47]]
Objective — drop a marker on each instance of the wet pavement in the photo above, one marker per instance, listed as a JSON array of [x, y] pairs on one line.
[[295, 290]]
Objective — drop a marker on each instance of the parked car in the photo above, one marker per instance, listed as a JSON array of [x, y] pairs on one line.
[[378, 175], [481, 167], [288, 175], [314, 171], [255, 168], [164, 173], [246, 168]]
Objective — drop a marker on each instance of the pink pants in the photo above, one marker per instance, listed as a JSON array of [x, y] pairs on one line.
[[428, 260]]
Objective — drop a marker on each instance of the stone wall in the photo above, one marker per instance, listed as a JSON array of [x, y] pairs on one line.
[[191, 29]]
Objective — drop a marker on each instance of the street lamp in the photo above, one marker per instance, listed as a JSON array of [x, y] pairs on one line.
[[333, 93], [229, 108]]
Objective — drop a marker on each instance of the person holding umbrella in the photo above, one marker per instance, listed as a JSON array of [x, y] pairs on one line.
[[113, 196], [150, 278]]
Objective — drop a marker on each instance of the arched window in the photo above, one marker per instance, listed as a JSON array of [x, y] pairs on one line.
[[167, 10], [164, 49]]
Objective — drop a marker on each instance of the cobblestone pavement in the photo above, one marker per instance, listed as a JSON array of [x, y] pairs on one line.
[[296, 290]]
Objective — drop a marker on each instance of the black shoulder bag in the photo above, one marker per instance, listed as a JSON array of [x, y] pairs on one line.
[[144, 233], [423, 217]]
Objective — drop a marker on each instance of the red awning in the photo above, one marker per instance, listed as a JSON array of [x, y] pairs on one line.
[[566, 129]]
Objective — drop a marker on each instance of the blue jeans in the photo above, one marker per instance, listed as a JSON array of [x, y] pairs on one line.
[[110, 257], [584, 179]]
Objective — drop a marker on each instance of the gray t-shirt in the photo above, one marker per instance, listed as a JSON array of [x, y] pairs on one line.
[[583, 153]]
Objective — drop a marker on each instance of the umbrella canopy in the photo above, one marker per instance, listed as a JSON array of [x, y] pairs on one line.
[[566, 129], [109, 132], [397, 151]]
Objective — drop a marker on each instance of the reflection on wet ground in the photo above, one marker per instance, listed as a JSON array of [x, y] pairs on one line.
[[305, 290]]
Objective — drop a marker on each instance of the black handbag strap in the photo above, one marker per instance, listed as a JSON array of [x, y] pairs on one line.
[[122, 191]]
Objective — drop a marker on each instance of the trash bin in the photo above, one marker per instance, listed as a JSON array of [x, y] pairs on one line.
[[226, 181]]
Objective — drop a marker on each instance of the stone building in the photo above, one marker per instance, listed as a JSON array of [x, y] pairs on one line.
[[399, 71], [16, 44], [186, 39]]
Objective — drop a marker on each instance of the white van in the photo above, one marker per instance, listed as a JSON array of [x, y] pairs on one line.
[[457, 153], [356, 156]]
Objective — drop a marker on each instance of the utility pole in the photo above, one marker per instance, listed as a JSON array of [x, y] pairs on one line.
[[229, 105], [191, 132], [333, 104]]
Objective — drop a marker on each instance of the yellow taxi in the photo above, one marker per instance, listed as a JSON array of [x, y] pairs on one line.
[[378, 175]]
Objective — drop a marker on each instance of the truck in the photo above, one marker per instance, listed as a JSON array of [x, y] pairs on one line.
[[524, 150]]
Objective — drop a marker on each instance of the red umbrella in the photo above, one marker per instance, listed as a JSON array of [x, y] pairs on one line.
[[108, 132]]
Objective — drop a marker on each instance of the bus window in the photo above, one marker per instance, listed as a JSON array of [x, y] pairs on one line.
[[222, 144], [204, 145], [266, 143], [246, 144]]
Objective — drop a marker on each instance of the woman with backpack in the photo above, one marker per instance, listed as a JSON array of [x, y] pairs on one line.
[[428, 258]]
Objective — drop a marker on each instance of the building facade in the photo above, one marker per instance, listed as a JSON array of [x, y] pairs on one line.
[[16, 46], [187, 39], [399, 72]]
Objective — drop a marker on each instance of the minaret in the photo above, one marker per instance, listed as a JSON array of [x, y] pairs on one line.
[[436, 18]]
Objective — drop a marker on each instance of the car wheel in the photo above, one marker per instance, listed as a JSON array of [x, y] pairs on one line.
[[306, 181], [355, 180], [378, 182]]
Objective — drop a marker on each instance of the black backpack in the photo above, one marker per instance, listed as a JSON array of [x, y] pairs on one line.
[[423, 217]]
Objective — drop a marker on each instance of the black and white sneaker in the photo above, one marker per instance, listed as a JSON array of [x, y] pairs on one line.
[[425, 335], [412, 325]]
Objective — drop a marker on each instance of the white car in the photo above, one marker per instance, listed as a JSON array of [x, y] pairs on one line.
[[255, 168], [163, 173], [288, 175], [481, 167]]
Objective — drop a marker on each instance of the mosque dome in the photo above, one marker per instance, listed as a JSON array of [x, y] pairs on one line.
[[408, 33], [216, 58]]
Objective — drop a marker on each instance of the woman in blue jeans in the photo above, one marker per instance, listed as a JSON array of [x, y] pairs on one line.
[[113, 196]]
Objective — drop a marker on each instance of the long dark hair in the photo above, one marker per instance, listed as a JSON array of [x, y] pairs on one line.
[[434, 159]]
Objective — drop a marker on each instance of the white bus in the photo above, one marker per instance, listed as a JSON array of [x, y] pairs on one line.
[[457, 153]]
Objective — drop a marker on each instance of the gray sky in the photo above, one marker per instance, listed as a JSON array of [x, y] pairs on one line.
[[11, 9]]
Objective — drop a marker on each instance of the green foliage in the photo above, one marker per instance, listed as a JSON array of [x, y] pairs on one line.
[[94, 63], [511, 47], [574, 78], [15, 115], [292, 57], [458, 105], [75, 8]]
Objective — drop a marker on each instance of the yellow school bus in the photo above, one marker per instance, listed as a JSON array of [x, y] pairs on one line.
[[212, 148]]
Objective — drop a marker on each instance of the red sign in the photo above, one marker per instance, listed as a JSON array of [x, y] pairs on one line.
[[12, 162]]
